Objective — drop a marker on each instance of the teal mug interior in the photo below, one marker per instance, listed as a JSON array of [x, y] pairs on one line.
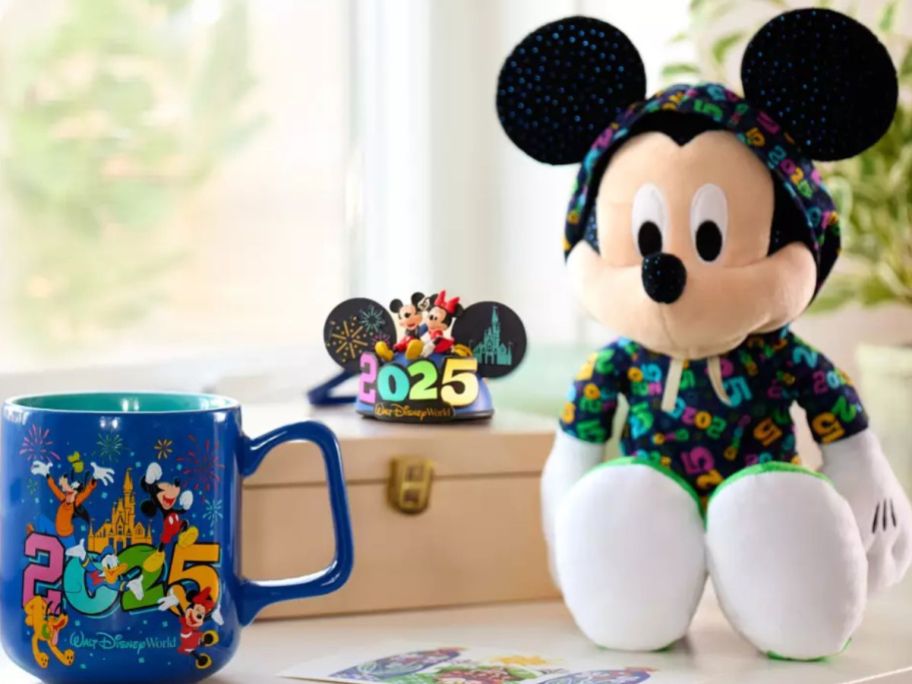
[[124, 402]]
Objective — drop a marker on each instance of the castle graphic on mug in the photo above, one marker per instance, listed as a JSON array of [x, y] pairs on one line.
[[121, 529]]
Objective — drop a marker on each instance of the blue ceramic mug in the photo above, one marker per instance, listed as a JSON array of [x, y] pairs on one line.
[[119, 546]]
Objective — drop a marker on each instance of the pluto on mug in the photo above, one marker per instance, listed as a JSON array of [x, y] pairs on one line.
[[119, 517]]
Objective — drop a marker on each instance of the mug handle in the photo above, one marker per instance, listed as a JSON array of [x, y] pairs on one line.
[[253, 596]]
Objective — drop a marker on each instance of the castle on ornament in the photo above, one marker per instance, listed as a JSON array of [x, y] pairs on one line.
[[491, 350], [121, 529]]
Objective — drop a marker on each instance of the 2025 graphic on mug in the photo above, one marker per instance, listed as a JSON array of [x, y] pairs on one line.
[[119, 520]]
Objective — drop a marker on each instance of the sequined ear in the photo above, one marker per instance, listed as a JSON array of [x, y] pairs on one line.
[[825, 78], [564, 84]]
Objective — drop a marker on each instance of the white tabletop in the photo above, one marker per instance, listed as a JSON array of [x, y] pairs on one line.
[[711, 654]]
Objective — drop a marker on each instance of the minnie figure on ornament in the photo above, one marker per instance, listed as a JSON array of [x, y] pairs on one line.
[[439, 320]]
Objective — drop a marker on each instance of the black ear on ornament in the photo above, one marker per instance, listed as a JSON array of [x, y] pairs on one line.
[[395, 305], [564, 84], [148, 508], [825, 78], [356, 326], [495, 334], [416, 298]]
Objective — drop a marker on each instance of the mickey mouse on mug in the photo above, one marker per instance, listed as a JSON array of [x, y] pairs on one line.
[[699, 229]]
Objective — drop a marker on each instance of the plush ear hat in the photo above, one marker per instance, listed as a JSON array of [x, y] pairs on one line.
[[817, 84]]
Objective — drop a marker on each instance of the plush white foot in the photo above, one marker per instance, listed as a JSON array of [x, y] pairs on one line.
[[630, 556], [787, 561]]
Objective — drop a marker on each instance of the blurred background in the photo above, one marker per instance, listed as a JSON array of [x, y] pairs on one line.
[[189, 186]]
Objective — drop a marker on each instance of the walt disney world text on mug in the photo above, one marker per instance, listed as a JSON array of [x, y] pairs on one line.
[[120, 525]]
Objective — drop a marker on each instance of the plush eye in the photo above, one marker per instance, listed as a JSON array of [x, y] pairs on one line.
[[709, 221], [648, 219]]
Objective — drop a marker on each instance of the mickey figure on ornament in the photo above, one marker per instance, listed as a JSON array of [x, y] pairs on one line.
[[699, 229], [410, 318]]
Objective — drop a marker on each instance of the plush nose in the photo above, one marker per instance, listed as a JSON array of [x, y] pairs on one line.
[[664, 277]]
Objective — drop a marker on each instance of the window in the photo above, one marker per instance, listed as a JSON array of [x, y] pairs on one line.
[[174, 178]]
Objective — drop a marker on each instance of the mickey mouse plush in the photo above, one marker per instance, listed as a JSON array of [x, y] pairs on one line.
[[699, 229]]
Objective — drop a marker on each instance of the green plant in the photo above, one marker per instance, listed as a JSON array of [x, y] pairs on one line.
[[112, 114], [872, 191]]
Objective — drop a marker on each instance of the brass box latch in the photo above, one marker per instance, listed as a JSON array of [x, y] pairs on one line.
[[410, 484]]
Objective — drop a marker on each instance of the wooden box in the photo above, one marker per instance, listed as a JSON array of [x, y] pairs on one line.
[[478, 540]]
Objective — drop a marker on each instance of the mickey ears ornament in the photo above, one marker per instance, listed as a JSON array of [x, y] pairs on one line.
[[427, 360]]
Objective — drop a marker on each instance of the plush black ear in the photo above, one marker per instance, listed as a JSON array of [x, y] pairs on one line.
[[564, 84], [416, 298], [395, 305], [825, 78]]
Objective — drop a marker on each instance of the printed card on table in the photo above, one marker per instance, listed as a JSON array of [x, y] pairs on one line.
[[410, 663]]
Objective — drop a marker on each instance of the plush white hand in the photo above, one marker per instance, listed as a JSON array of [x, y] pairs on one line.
[[39, 468], [168, 602], [217, 616], [77, 551], [103, 475], [860, 472], [186, 499], [153, 473], [136, 587], [570, 459]]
